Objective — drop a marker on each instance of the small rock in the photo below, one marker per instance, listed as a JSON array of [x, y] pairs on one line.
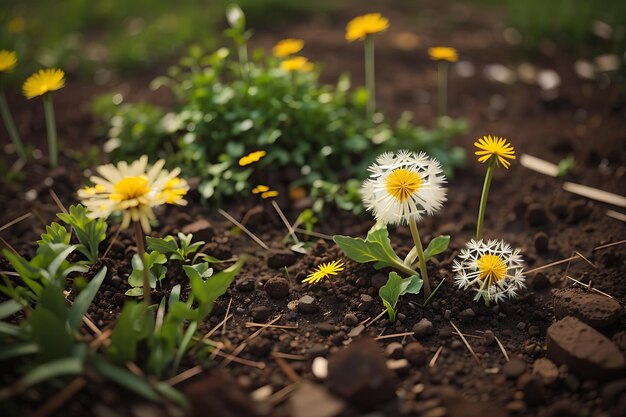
[[219, 395], [416, 353], [423, 328], [546, 370], [245, 285], [397, 364], [260, 314], [326, 328], [319, 367], [394, 350], [534, 331], [307, 304], [548, 79], [536, 215], [499, 73], [260, 346], [350, 319], [467, 315], [584, 350], [316, 350], [356, 331], [379, 280], [281, 258], [594, 309], [541, 242], [277, 287], [489, 336], [359, 374], [313, 400], [456, 344], [533, 389], [521, 325], [514, 368]]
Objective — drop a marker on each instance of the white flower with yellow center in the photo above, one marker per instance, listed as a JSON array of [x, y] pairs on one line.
[[133, 190], [492, 268], [404, 186]]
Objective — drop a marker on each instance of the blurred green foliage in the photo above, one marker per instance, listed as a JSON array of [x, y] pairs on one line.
[[87, 35]]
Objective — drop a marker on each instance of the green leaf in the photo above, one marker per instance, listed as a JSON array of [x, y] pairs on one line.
[[208, 291], [134, 292], [50, 334], [8, 308], [164, 246], [18, 349], [126, 379], [53, 300], [84, 299], [182, 348], [53, 369], [375, 248], [436, 246], [394, 288], [133, 325], [11, 329]]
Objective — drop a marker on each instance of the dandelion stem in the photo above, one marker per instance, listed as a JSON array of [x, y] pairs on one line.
[[141, 251], [370, 79], [11, 129], [242, 51], [442, 81], [420, 254], [483, 199], [52, 130]]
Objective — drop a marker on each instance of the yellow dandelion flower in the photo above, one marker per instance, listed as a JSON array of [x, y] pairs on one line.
[[368, 24], [133, 190], [324, 270], [269, 194], [16, 25], [443, 53], [260, 189], [298, 63], [43, 81], [494, 147], [287, 47], [251, 158], [8, 60]]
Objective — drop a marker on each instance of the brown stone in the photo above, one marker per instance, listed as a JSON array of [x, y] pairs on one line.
[[594, 309], [360, 375], [584, 350]]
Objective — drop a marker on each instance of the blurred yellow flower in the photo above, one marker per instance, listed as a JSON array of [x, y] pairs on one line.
[[8, 60], [251, 158], [260, 189], [494, 147], [443, 53], [16, 25], [325, 270], [43, 81], [269, 194], [287, 47], [298, 63], [362, 26]]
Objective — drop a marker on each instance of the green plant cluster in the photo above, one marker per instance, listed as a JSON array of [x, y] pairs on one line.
[[228, 105], [41, 324]]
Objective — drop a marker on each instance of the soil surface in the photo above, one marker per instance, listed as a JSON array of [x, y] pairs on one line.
[[553, 351]]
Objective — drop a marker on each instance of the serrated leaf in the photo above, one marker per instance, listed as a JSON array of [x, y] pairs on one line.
[[375, 248], [436, 246]]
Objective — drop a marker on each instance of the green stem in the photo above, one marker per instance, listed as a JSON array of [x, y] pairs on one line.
[[483, 198], [404, 269], [141, 251], [11, 129], [442, 81], [370, 79], [52, 130], [420, 254], [242, 51]]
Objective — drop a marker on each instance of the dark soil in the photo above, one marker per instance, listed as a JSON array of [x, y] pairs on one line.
[[531, 211]]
